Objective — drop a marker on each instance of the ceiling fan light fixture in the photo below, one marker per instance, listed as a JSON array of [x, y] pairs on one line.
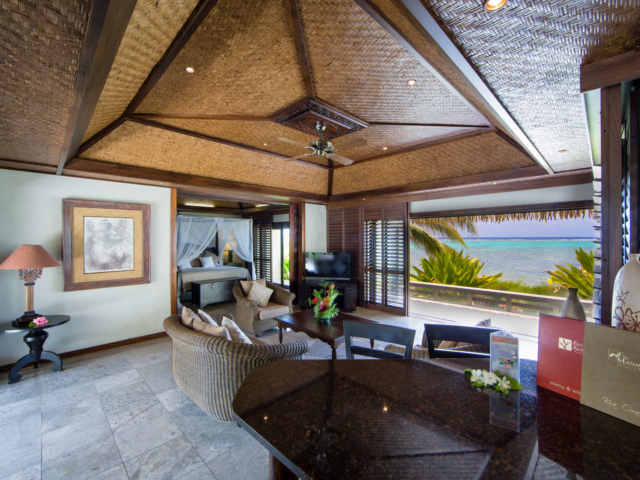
[[411, 82], [494, 5], [190, 69]]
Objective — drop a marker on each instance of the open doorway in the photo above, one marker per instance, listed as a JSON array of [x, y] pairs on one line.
[[280, 254]]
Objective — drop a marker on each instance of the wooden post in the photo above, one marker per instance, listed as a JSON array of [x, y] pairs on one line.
[[296, 248], [173, 270], [611, 144]]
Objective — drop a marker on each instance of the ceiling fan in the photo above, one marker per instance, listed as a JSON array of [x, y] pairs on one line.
[[326, 148]]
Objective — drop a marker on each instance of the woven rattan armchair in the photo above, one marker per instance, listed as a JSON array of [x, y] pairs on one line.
[[210, 370], [254, 319]]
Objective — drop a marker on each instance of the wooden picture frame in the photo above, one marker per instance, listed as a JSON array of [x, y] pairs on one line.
[[91, 262]]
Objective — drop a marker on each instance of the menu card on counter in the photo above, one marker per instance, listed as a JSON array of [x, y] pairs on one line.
[[611, 372], [560, 346]]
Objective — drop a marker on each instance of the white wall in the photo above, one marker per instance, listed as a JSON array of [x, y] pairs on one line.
[[315, 225], [524, 197], [31, 213]]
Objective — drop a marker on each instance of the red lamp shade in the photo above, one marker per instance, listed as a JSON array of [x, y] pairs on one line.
[[28, 257]]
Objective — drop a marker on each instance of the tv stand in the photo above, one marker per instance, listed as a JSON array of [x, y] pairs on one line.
[[346, 301]]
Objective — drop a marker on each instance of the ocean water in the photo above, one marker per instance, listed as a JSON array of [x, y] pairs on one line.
[[519, 259]]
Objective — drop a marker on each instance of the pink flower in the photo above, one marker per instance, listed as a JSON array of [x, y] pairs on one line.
[[322, 307], [40, 321]]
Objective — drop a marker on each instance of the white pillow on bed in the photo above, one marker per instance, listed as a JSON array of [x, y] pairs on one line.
[[207, 253], [207, 261]]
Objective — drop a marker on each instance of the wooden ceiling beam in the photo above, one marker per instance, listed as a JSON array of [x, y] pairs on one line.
[[433, 143], [194, 208], [108, 22], [184, 35], [209, 138], [429, 29], [187, 184], [298, 39], [610, 71], [528, 178], [100, 135], [169, 116]]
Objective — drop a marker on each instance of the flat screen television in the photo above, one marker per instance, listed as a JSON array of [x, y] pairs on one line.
[[328, 266]]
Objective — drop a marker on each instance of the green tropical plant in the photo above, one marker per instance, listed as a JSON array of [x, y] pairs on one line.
[[451, 267], [286, 266], [575, 277], [423, 232]]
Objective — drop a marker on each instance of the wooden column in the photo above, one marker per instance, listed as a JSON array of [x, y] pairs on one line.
[[278, 471], [296, 248], [173, 270], [611, 143]]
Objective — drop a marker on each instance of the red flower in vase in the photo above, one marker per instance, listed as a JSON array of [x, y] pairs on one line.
[[315, 300]]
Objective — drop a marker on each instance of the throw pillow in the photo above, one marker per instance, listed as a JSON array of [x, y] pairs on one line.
[[188, 317], [247, 284], [206, 318], [207, 253], [447, 345], [236, 334], [195, 263], [206, 262], [259, 294], [207, 329]]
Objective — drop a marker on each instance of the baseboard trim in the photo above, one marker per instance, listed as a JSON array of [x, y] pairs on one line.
[[97, 348]]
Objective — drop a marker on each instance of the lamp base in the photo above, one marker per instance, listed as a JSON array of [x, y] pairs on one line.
[[25, 320]]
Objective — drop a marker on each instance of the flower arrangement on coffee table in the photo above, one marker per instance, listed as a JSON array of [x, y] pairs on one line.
[[324, 302]]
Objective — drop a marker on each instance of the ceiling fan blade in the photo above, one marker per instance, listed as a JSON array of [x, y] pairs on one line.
[[340, 159], [300, 156], [352, 144], [293, 142]]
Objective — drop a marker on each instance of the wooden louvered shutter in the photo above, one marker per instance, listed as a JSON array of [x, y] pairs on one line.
[[262, 247], [335, 231], [385, 258], [344, 231]]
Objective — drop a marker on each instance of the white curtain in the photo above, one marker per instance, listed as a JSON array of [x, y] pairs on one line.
[[194, 235], [238, 234]]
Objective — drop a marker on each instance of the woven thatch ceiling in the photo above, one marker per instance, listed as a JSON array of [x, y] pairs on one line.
[[253, 60]]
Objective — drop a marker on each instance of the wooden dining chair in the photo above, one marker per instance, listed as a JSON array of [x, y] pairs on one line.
[[383, 333], [457, 333]]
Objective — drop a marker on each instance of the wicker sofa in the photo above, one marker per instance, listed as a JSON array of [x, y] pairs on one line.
[[210, 370], [254, 319]]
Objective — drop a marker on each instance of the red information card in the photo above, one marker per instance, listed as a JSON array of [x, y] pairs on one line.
[[560, 345]]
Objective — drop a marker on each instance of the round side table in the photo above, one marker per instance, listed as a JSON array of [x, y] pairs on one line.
[[35, 338]]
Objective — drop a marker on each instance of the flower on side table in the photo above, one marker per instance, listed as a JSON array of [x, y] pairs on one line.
[[38, 322], [483, 379]]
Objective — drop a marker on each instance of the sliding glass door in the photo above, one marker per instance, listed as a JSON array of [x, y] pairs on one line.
[[280, 254]]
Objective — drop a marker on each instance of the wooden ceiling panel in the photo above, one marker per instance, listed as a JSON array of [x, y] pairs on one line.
[[40, 47], [359, 67], [252, 133], [395, 138], [152, 28], [143, 146], [482, 154], [245, 64], [530, 53]]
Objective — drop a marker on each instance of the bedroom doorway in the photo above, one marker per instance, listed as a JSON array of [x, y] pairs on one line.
[[280, 254]]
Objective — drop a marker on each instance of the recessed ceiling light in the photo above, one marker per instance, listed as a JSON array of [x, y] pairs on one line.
[[363, 199], [411, 82], [190, 69], [384, 148], [495, 183], [493, 5], [265, 144], [262, 205], [563, 151], [385, 409]]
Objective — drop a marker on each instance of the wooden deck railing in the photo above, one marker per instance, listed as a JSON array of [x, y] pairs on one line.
[[521, 303]]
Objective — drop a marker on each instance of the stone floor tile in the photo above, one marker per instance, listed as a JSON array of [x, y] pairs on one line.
[[31, 473], [121, 396], [173, 459], [71, 375], [21, 408], [174, 398], [208, 436], [92, 460], [143, 355], [20, 445], [146, 436], [200, 473], [22, 390], [72, 412], [116, 473], [71, 438], [135, 413], [60, 397], [246, 460], [121, 379]]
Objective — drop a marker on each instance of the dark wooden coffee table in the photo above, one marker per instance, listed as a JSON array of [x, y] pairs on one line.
[[330, 333]]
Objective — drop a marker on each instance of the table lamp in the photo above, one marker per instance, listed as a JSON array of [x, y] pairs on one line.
[[29, 260]]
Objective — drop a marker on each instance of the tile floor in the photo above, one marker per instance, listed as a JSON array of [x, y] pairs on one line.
[[118, 414]]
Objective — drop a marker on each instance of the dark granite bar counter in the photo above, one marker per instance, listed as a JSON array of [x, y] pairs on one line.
[[389, 419]]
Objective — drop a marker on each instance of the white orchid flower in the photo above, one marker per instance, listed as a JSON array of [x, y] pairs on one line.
[[504, 383], [476, 376], [490, 378]]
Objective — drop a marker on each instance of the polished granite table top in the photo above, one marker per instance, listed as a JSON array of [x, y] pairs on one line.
[[370, 419]]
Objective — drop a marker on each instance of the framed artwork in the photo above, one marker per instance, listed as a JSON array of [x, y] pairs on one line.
[[105, 244]]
